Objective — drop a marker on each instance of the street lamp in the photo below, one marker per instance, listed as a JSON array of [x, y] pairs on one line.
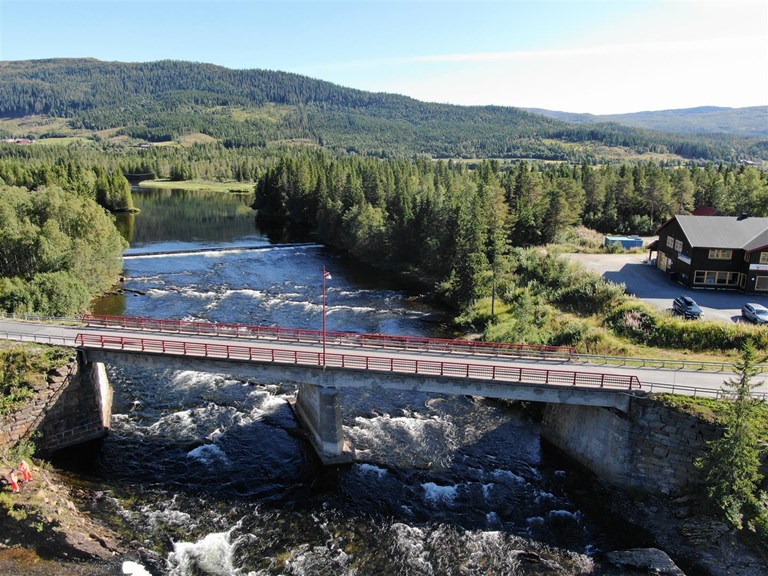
[[326, 276]]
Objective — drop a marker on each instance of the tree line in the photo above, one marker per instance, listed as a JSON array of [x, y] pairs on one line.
[[451, 221], [455, 225]]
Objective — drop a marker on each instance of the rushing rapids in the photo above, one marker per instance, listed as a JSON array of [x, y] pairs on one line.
[[215, 476]]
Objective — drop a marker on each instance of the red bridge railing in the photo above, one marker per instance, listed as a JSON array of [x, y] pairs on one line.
[[349, 338], [497, 372]]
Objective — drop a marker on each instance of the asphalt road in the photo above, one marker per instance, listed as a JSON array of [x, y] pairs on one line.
[[654, 287], [686, 382]]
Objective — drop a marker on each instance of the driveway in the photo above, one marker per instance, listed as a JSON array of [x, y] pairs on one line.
[[654, 286]]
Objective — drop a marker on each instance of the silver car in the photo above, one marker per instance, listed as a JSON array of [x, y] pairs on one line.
[[756, 313]]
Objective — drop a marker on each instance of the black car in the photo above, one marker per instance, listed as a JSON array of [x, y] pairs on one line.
[[686, 306]]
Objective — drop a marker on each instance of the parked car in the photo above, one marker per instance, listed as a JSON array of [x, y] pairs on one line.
[[756, 313], [686, 306]]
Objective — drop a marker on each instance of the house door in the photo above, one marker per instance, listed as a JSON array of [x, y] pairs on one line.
[[761, 283], [661, 262]]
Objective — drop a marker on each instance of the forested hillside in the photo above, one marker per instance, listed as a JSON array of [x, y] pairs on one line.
[[164, 101]]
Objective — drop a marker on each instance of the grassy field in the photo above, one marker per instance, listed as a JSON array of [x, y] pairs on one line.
[[207, 185]]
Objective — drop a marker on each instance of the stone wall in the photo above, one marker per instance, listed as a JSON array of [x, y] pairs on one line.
[[73, 405], [651, 447]]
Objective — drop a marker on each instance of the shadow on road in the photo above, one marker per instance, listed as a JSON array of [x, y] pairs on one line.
[[650, 283]]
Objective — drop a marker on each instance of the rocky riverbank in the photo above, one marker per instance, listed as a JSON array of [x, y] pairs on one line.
[[44, 533], [701, 545]]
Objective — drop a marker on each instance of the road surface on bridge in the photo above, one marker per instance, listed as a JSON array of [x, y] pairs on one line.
[[685, 382]]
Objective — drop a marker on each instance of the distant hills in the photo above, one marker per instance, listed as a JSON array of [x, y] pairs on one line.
[[751, 122], [186, 102]]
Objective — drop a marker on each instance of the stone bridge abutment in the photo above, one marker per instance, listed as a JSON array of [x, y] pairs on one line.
[[71, 406], [651, 446]]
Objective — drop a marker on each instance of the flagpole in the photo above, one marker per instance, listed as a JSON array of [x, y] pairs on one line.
[[324, 274]]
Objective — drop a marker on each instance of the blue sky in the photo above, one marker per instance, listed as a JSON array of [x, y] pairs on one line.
[[598, 56]]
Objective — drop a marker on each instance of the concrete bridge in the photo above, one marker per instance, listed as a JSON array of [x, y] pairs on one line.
[[324, 363]]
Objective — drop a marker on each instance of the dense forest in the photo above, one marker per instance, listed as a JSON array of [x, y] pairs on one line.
[[455, 225], [164, 101], [58, 249]]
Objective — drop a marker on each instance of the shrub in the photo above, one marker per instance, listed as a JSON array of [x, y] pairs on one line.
[[639, 322]]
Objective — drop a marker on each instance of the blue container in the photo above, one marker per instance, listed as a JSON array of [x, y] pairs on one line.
[[627, 242]]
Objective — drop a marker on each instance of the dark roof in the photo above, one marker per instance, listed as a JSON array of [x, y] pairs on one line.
[[724, 231], [705, 211]]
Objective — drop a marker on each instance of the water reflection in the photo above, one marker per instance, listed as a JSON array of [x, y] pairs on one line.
[[178, 216]]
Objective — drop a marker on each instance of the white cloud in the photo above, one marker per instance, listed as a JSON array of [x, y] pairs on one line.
[[673, 54], [598, 79]]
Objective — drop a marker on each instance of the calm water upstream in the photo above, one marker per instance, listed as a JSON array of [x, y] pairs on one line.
[[213, 474]]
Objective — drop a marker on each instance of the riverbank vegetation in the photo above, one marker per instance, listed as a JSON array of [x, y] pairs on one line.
[[477, 235], [57, 250]]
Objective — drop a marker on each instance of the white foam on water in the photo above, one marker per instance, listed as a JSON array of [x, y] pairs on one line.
[[156, 293], [309, 307], [257, 294], [167, 517], [179, 422], [192, 379], [131, 568], [436, 493], [564, 514], [210, 455], [486, 489], [356, 309], [366, 469], [507, 475], [387, 427], [409, 541], [542, 495], [191, 292], [492, 519], [266, 403], [212, 555]]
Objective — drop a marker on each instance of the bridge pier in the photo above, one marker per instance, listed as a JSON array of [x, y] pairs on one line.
[[318, 410]]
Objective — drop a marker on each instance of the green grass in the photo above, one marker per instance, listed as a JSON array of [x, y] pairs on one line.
[[207, 185], [63, 140], [712, 411]]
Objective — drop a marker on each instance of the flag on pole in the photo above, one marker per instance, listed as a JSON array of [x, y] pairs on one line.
[[326, 274]]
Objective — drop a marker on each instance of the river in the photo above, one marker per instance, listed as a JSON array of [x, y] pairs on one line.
[[214, 476]]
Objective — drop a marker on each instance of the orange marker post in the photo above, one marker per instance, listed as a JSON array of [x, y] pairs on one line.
[[14, 481], [25, 471]]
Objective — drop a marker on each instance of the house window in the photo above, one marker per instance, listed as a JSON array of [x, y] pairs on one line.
[[761, 283], [716, 278], [670, 242], [717, 254], [678, 245], [763, 257]]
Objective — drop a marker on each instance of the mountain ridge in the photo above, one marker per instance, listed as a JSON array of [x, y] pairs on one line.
[[749, 121], [165, 100]]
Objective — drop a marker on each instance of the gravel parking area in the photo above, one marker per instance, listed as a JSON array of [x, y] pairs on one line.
[[653, 286]]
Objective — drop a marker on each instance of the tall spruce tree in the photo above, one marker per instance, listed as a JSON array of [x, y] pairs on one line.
[[731, 468]]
